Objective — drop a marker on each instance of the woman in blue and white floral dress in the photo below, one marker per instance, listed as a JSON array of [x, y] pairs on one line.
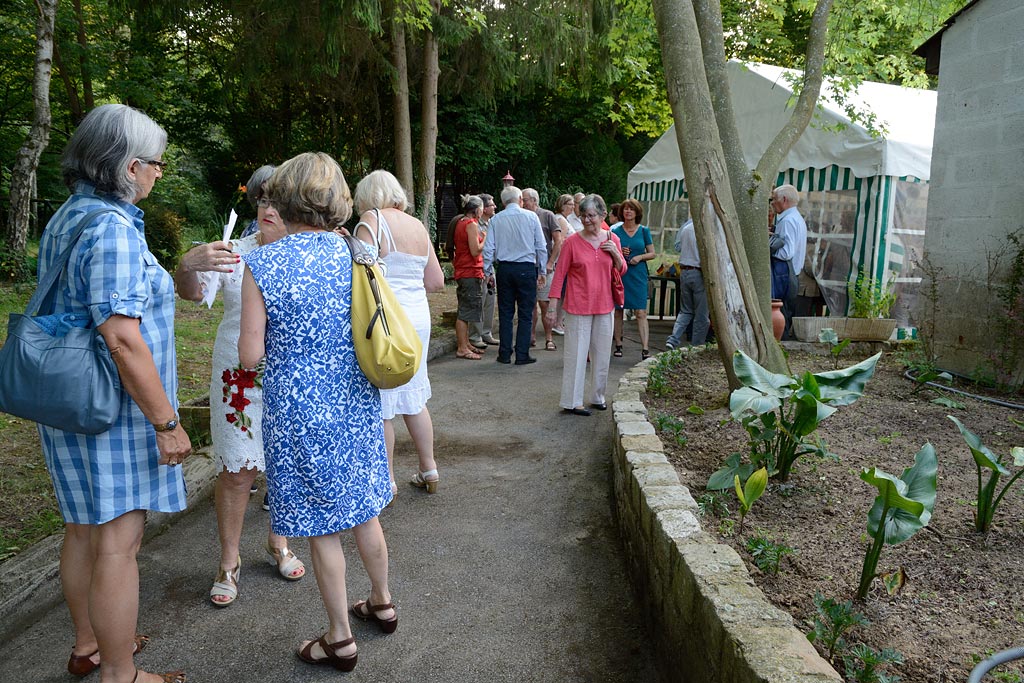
[[323, 437]]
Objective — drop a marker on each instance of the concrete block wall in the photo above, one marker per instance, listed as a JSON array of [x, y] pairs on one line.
[[708, 620], [976, 194]]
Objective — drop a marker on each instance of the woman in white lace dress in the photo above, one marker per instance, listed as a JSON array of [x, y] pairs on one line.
[[236, 397], [412, 270]]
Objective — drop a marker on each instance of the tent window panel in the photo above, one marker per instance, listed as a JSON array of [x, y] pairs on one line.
[[831, 223], [911, 206]]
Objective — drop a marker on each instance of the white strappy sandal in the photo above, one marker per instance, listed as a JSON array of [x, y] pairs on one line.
[[426, 480]]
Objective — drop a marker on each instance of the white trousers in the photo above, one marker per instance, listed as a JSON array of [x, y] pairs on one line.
[[586, 334]]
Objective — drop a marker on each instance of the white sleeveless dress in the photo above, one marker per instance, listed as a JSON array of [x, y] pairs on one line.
[[405, 275]]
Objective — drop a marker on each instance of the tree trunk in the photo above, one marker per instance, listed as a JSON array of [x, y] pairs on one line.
[[751, 188], [74, 102], [428, 134], [400, 104], [83, 45], [27, 161], [738, 317]]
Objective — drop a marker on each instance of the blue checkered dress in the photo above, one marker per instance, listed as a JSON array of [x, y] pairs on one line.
[[111, 271]]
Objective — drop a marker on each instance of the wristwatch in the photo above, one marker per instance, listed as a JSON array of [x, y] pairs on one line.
[[167, 426]]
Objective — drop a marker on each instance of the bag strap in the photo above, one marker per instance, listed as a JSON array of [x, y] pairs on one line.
[[46, 290], [360, 256]]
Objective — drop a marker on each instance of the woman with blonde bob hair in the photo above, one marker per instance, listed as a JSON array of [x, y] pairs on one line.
[[403, 244], [322, 433]]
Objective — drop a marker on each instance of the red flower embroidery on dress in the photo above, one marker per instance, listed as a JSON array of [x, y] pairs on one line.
[[236, 381]]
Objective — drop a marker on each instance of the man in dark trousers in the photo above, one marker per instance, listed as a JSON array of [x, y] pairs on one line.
[[514, 252]]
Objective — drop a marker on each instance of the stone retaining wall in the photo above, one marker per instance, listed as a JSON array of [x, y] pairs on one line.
[[708, 621]]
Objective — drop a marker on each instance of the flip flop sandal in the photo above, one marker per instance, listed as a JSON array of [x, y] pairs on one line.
[[618, 352], [82, 665], [286, 563], [550, 346], [367, 612], [468, 356], [226, 586]]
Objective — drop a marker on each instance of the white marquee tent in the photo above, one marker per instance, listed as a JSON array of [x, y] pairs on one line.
[[864, 195]]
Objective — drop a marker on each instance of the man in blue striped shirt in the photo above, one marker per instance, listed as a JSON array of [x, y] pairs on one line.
[[515, 255]]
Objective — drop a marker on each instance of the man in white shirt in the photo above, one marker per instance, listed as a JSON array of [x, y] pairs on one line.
[[788, 246], [514, 252]]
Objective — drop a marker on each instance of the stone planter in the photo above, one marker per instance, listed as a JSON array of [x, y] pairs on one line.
[[854, 329]]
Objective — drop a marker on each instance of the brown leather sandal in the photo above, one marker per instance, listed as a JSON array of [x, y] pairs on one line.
[[82, 665], [367, 612], [331, 653]]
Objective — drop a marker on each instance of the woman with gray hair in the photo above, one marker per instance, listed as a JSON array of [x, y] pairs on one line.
[[583, 280], [327, 465], [105, 482], [236, 396], [412, 271]]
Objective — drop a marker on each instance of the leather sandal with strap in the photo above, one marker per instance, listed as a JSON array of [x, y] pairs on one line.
[[226, 586], [426, 480], [168, 677], [82, 665], [286, 562], [367, 612], [330, 653]]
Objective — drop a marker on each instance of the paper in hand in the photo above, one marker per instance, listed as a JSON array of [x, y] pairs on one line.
[[232, 218]]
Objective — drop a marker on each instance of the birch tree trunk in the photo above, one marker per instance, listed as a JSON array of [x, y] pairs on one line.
[[400, 103], [27, 161], [428, 133], [732, 294]]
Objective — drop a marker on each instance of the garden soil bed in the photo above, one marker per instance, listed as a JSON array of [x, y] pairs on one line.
[[964, 596]]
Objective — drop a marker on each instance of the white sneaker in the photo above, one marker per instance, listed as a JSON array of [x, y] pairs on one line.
[[559, 331], [669, 345]]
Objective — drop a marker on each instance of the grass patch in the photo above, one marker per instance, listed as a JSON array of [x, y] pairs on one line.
[[28, 508]]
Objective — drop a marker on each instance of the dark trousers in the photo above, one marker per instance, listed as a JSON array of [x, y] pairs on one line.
[[784, 286], [517, 293]]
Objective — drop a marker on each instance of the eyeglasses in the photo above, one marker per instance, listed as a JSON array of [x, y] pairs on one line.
[[162, 165], [264, 203], [591, 216]]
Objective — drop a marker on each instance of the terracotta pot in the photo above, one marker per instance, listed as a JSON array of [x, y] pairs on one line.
[[778, 319]]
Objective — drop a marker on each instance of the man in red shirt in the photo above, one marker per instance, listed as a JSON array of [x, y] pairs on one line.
[[468, 264]]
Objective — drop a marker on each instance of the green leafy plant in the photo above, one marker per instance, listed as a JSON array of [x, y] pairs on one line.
[[866, 665], [670, 424], [832, 621], [870, 298], [902, 507], [926, 375], [658, 373], [835, 347], [749, 493], [712, 504], [984, 459], [766, 553], [781, 412]]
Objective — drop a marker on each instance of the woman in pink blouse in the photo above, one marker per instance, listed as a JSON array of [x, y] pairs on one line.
[[585, 267]]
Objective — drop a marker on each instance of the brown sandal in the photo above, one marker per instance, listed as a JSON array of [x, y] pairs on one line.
[[331, 653], [82, 665], [367, 612]]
